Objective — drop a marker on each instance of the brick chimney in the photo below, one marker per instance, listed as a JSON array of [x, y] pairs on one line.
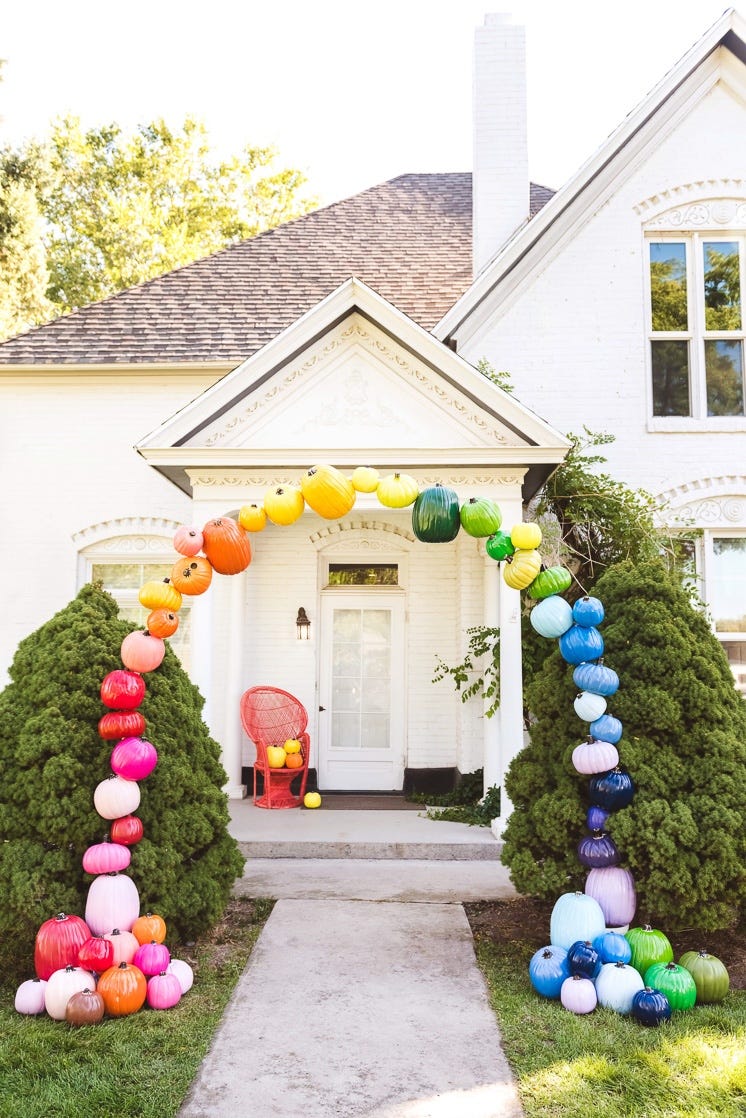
[[500, 176]]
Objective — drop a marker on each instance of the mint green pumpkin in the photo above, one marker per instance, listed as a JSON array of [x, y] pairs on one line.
[[436, 515], [550, 580], [480, 517], [675, 982]]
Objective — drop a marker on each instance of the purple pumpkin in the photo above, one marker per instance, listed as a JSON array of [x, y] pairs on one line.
[[614, 889], [598, 850]]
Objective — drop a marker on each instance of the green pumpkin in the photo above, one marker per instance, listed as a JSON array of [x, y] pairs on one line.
[[648, 946], [710, 975], [550, 580], [480, 517], [499, 546], [435, 515], [675, 982]]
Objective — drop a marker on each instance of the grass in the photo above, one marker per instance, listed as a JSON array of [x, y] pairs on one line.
[[139, 1066], [604, 1065]]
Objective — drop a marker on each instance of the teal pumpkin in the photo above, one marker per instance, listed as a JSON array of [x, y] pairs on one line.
[[499, 546], [551, 580], [675, 982], [480, 517], [436, 515]]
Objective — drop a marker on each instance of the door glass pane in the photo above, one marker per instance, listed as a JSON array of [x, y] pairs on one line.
[[345, 731], [722, 285], [375, 734], [724, 371], [668, 285], [347, 623], [727, 587], [670, 363], [361, 678]]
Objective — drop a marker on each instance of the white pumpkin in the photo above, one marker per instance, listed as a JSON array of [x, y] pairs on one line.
[[30, 996], [116, 797], [61, 985], [113, 902]]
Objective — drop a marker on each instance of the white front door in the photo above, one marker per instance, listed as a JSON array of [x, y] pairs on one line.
[[361, 690]]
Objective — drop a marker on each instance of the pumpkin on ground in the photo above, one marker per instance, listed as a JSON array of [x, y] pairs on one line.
[[164, 991], [124, 989], [710, 975], [675, 982], [578, 994], [616, 986], [61, 986], [29, 997], [86, 1007], [650, 1007], [548, 969], [328, 492], [226, 545], [58, 941], [183, 972], [648, 946], [312, 799], [575, 916]]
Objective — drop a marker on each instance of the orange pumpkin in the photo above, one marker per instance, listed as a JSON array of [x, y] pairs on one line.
[[192, 576], [162, 623], [160, 595], [148, 928], [226, 545], [123, 989], [294, 761]]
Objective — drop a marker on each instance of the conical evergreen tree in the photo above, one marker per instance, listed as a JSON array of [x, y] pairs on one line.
[[52, 758], [684, 745]]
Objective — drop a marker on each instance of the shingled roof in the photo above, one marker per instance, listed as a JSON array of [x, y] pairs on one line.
[[408, 238]]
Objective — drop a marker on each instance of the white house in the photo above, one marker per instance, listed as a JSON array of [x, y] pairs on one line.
[[350, 337]]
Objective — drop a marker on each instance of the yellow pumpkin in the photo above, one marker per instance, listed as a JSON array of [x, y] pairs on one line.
[[292, 745], [525, 537], [521, 568], [312, 799], [252, 517], [327, 491], [397, 491], [160, 595], [284, 505], [276, 756], [365, 479]]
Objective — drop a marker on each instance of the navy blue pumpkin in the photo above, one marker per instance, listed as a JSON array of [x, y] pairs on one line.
[[583, 959], [596, 818], [612, 790], [650, 1007], [436, 515]]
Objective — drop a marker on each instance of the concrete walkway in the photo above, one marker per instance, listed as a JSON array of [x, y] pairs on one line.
[[352, 1008]]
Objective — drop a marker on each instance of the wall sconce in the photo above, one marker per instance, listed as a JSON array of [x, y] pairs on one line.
[[302, 625]]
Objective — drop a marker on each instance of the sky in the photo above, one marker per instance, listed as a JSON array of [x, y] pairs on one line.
[[351, 93]]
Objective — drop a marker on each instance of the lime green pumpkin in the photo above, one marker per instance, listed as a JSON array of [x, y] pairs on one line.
[[480, 517], [521, 568], [435, 515], [710, 975], [675, 982], [648, 946], [549, 581]]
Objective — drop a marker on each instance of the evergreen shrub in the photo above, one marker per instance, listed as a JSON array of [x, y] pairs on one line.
[[51, 759], [684, 745]]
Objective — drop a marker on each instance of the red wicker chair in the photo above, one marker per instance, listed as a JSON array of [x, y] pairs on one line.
[[271, 716]]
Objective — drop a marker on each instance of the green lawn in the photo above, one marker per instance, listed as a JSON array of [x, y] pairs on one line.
[[604, 1065], [140, 1065]]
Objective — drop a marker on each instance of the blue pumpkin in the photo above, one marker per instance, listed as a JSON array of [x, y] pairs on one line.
[[596, 678], [583, 959], [588, 611], [548, 969], [551, 617], [650, 1007], [613, 948], [598, 850], [612, 790], [575, 916], [606, 728], [581, 643], [596, 818]]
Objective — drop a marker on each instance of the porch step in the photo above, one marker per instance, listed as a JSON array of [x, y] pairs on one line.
[[488, 849]]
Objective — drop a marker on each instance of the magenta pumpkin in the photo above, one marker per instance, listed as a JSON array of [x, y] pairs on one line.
[[152, 958], [96, 954], [122, 690], [113, 902], [142, 652], [164, 991], [30, 996], [614, 889], [133, 758], [58, 942], [188, 541], [106, 857]]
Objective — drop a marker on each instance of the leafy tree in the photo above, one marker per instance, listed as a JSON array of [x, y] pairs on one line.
[[684, 744], [51, 759], [23, 271]]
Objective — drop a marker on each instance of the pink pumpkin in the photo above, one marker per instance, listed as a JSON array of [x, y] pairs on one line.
[[106, 857], [142, 652], [124, 945], [152, 958], [113, 902], [164, 991], [188, 541], [30, 996], [133, 758]]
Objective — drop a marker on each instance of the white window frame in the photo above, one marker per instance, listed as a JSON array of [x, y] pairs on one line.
[[705, 562], [695, 335]]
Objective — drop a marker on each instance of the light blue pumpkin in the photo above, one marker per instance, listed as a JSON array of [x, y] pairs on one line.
[[616, 986], [551, 617], [575, 916], [588, 611], [606, 728], [589, 706], [596, 678]]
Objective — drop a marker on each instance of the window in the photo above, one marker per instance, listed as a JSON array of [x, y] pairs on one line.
[[725, 569], [697, 325], [370, 574], [123, 579]]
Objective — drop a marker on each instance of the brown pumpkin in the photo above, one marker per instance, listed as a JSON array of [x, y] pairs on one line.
[[226, 545], [162, 623], [123, 989], [192, 576], [85, 1008]]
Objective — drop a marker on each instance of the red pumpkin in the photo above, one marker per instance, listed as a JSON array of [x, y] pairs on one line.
[[187, 541], [124, 989], [162, 623], [58, 942], [226, 545], [122, 690], [128, 830], [192, 576], [85, 1008], [149, 928], [121, 724], [96, 954], [142, 652]]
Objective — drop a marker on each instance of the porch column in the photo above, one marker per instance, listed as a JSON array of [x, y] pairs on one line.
[[510, 714], [234, 685]]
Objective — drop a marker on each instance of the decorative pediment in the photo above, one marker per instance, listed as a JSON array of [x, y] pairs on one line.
[[706, 503], [713, 203]]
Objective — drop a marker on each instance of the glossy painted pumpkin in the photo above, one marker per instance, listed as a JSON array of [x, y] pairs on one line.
[[133, 758], [613, 947], [164, 991], [115, 797], [597, 851], [650, 1007], [124, 989], [113, 902], [436, 515], [499, 546], [365, 479], [85, 1008], [187, 540], [141, 651], [480, 517], [675, 982], [648, 946], [106, 857], [550, 580], [397, 491], [226, 545], [581, 643], [29, 997], [614, 889], [551, 617], [61, 985], [596, 678], [606, 728], [526, 537], [588, 611], [160, 595], [284, 505], [96, 954], [122, 690], [162, 623], [152, 958], [583, 959], [612, 790], [58, 941], [596, 817], [192, 576], [328, 492], [578, 994], [575, 916], [589, 706], [127, 830], [710, 975], [591, 757], [294, 761], [183, 972], [616, 986], [121, 724], [124, 945], [253, 518], [149, 927], [548, 969], [521, 568]]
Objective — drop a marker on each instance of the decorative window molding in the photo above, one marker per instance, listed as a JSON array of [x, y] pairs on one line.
[[144, 533]]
